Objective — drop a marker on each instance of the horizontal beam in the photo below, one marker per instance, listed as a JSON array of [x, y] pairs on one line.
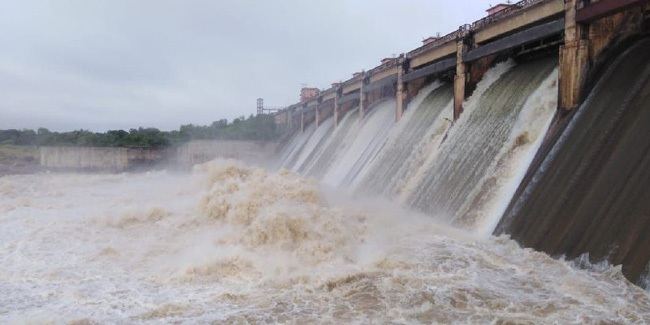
[[434, 54], [604, 8], [309, 109], [326, 103], [311, 101], [521, 38], [437, 67], [329, 96], [374, 77], [380, 83], [347, 98], [352, 86]]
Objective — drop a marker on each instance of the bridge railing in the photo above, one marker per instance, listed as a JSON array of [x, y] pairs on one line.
[[353, 79], [504, 13], [453, 36], [382, 67]]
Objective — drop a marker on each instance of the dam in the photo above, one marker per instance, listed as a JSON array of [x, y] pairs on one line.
[[529, 123], [498, 174]]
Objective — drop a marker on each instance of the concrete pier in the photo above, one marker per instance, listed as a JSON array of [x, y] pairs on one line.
[[363, 102], [574, 56], [400, 96], [302, 119], [460, 80], [336, 108]]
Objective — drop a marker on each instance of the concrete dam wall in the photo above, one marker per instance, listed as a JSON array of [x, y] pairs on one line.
[[531, 123], [589, 194], [571, 183]]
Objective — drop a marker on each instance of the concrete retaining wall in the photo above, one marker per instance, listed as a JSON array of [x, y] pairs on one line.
[[200, 151], [101, 158], [120, 159]]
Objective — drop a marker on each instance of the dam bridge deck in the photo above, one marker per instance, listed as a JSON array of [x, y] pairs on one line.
[[464, 55]]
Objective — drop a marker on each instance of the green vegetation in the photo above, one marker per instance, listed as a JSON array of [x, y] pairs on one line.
[[261, 128]]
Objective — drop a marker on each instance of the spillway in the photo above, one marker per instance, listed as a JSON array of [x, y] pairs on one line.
[[335, 144], [410, 142], [587, 193], [313, 145], [477, 139], [464, 172], [290, 154], [362, 145]]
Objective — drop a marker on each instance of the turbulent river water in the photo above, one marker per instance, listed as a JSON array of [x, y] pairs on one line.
[[234, 244]]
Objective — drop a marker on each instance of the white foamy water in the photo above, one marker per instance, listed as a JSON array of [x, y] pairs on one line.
[[231, 244]]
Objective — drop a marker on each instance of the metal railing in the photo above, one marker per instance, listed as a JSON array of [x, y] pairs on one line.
[[453, 36], [504, 13], [327, 91], [383, 66], [353, 79]]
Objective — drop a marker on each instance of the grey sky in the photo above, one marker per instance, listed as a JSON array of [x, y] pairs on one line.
[[119, 64]]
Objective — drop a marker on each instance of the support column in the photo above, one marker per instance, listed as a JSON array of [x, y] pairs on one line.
[[336, 109], [460, 81], [319, 101], [289, 119], [401, 94], [362, 102], [302, 119], [574, 60]]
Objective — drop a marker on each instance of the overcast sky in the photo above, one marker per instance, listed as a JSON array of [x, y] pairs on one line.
[[120, 64]]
